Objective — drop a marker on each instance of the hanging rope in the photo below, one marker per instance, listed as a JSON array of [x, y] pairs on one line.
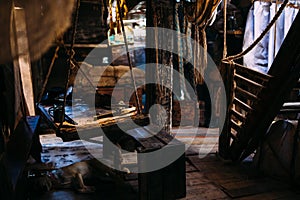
[[111, 23], [124, 11], [240, 55], [71, 55], [225, 29], [275, 32], [48, 74], [129, 59], [75, 64]]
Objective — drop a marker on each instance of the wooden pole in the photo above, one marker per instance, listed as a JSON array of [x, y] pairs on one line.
[[21, 57]]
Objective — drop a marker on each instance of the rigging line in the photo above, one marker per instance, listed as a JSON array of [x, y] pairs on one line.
[[75, 63], [129, 59], [48, 74], [196, 47], [157, 51], [160, 53], [241, 54], [225, 29], [275, 32], [83, 73], [71, 55], [75, 23]]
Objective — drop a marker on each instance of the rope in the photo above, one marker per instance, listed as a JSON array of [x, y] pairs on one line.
[[71, 55], [225, 30], [61, 44], [111, 23], [48, 74], [240, 55], [129, 59], [275, 32], [75, 22]]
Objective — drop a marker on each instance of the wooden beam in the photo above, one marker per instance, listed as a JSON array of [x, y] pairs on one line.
[[21, 57], [285, 71], [247, 81], [242, 105], [246, 94], [238, 115], [251, 72]]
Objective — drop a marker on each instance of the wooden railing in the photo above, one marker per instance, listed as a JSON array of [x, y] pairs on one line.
[[254, 98], [243, 87]]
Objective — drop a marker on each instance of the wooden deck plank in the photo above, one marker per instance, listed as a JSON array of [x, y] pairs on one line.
[[285, 194], [206, 178]]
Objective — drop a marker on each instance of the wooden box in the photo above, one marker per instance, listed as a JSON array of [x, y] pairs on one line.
[[168, 182]]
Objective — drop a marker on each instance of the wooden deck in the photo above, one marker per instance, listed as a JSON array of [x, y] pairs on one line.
[[206, 178], [214, 179]]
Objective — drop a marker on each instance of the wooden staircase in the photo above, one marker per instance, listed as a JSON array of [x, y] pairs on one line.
[[254, 98]]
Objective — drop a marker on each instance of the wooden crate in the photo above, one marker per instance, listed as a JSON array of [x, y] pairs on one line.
[[168, 182]]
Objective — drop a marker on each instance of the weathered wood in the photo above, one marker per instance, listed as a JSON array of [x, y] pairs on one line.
[[227, 71], [247, 82], [273, 97], [162, 183], [274, 194], [233, 134], [290, 107], [252, 73], [235, 126], [250, 187], [246, 94], [22, 58], [238, 115], [90, 129], [242, 105]]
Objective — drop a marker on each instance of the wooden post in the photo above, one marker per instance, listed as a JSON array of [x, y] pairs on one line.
[[21, 58], [150, 57], [224, 139]]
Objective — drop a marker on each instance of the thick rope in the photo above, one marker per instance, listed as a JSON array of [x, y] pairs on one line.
[[275, 32], [240, 55], [48, 74], [71, 55], [225, 29], [129, 59], [76, 65]]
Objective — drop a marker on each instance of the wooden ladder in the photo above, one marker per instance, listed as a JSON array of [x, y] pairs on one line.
[[254, 98]]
